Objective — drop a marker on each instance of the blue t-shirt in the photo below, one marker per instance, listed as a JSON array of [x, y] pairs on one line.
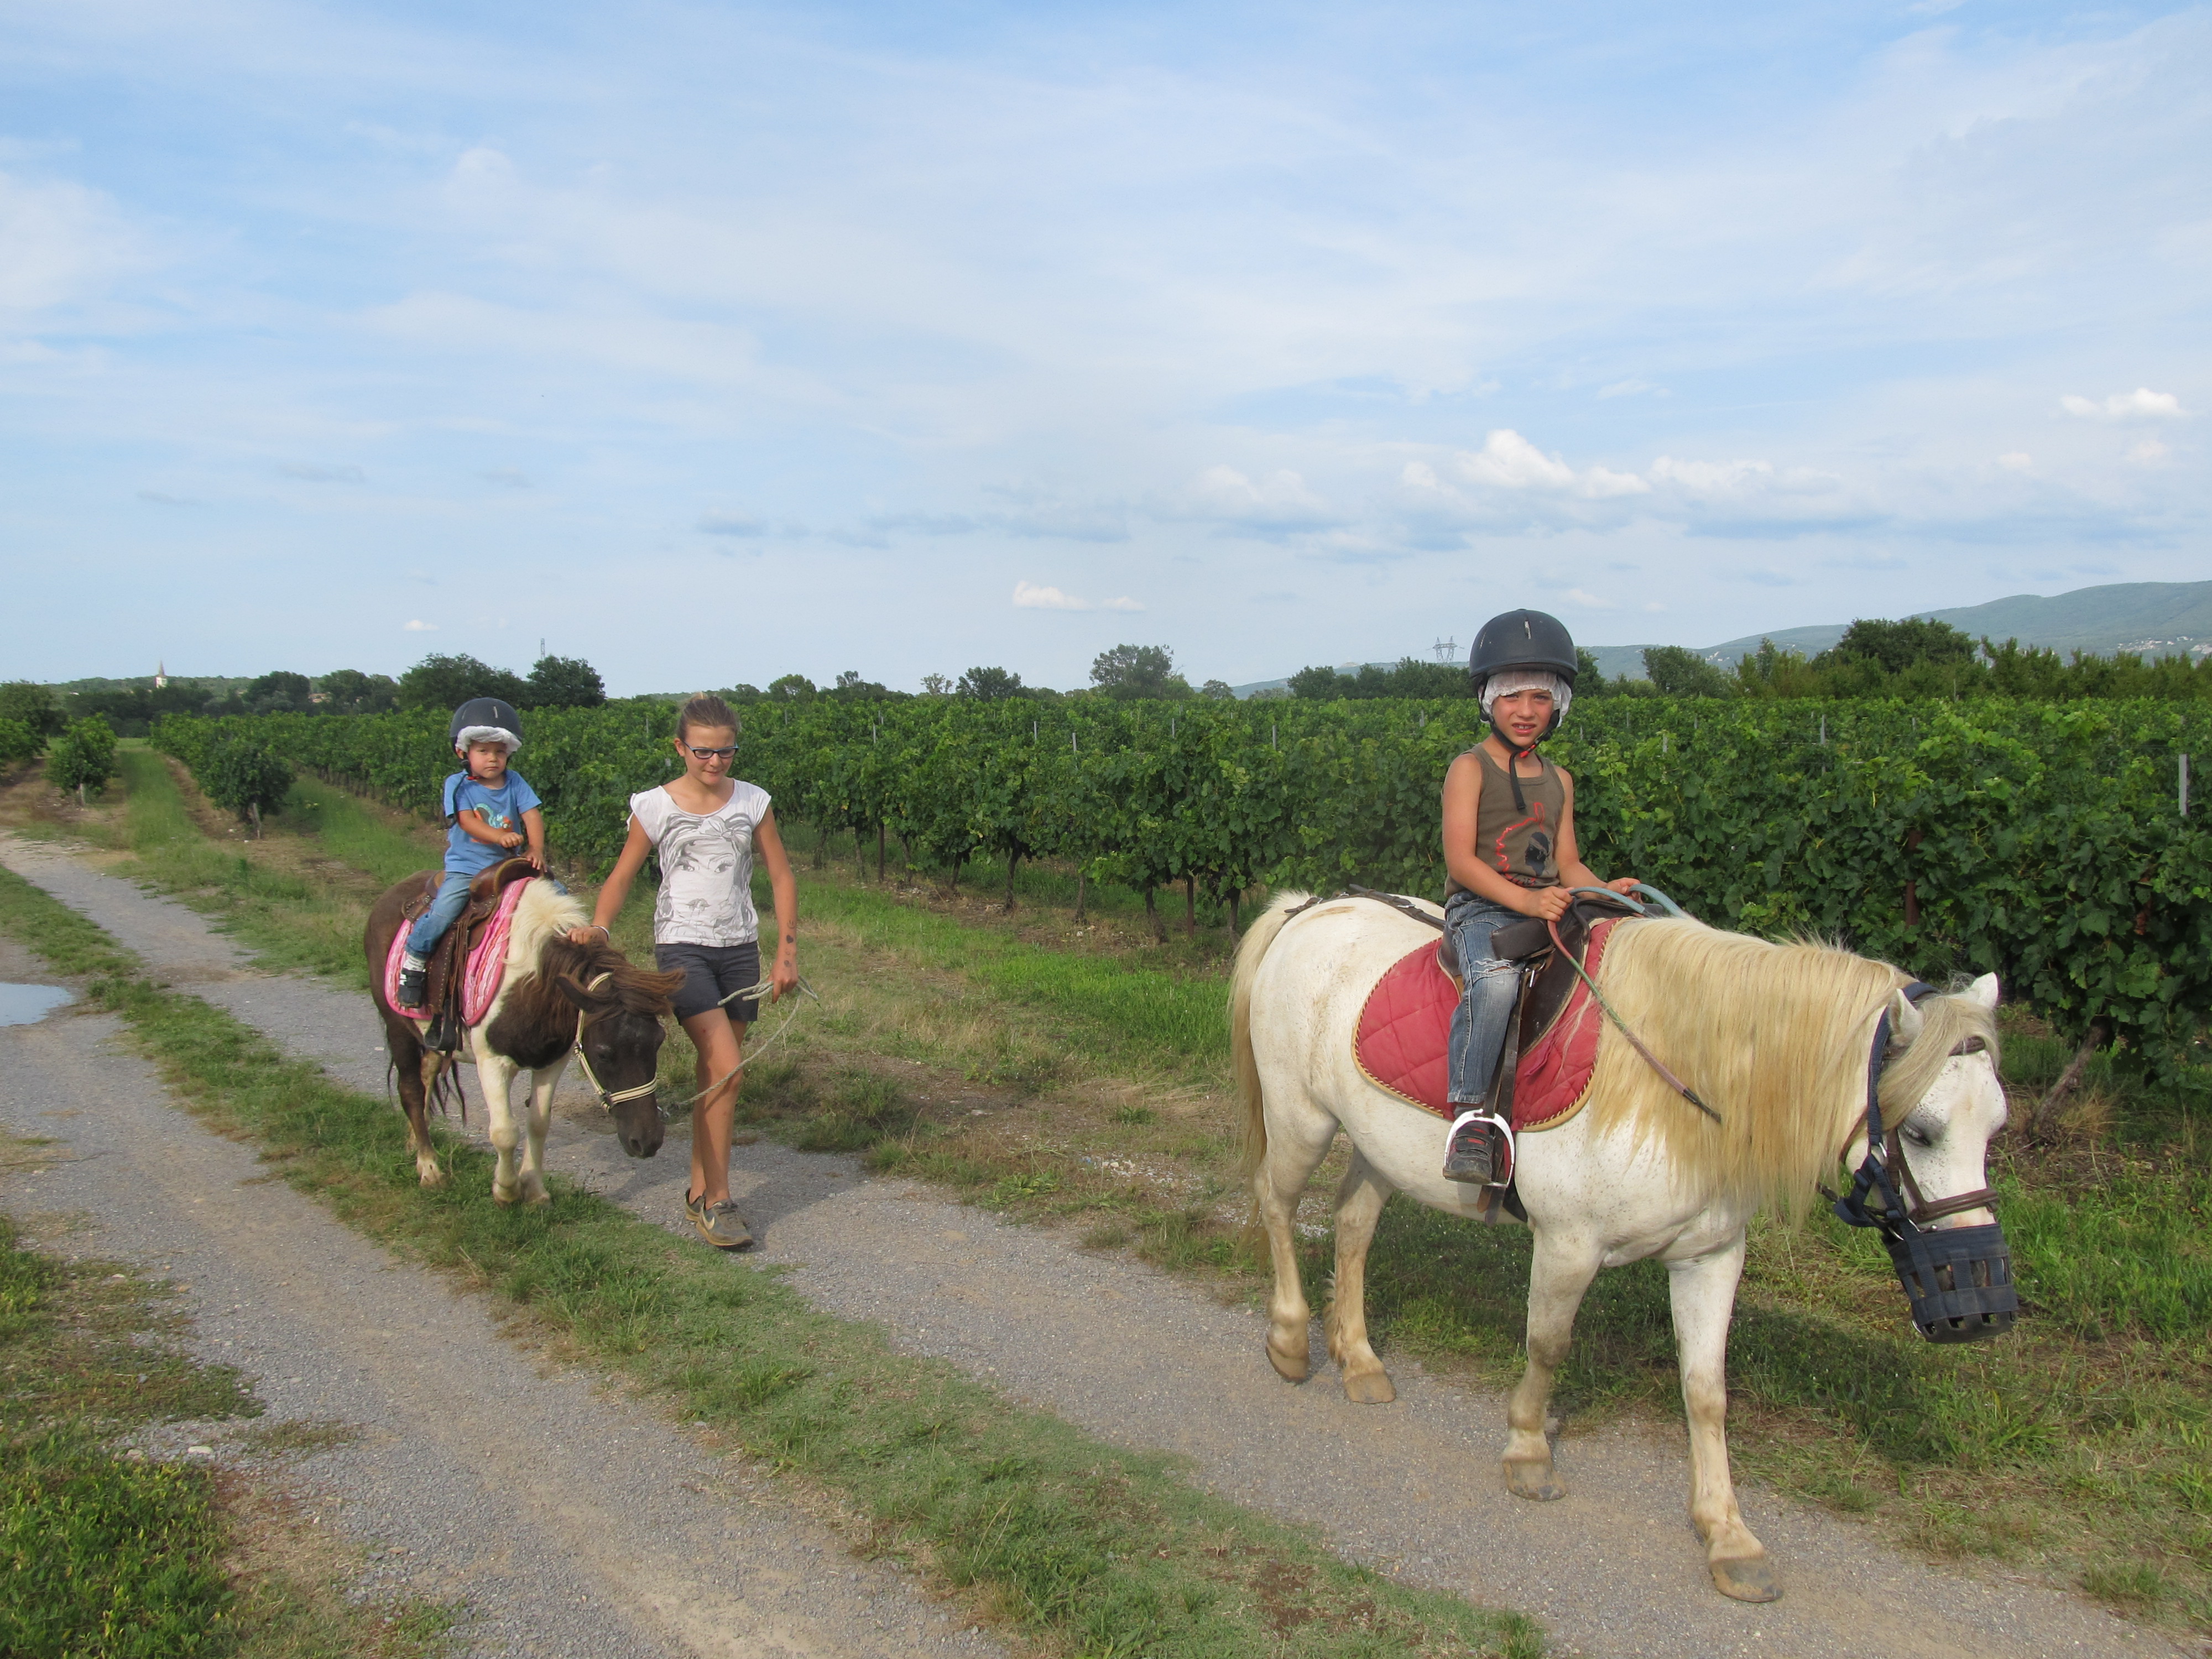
[[503, 808]]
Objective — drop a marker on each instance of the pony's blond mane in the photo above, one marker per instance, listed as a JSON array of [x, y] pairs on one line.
[[1773, 1036]]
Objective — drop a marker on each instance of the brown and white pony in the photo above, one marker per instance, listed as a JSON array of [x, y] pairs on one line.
[[1776, 1037], [556, 998]]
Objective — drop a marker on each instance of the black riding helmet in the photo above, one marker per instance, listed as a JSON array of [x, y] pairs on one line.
[[1524, 638], [487, 719]]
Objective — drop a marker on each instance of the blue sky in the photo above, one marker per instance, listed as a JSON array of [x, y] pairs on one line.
[[715, 343]]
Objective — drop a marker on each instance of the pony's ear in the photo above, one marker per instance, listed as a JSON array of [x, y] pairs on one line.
[[590, 1002], [1984, 990], [1906, 1021]]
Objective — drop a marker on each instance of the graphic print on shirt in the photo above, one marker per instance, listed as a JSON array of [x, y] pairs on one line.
[[699, 858], [1539, 843]]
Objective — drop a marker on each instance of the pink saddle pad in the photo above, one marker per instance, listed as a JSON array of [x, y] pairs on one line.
[[487, 963]]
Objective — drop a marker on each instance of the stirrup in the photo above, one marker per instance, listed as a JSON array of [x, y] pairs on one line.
[[1487, 1160]]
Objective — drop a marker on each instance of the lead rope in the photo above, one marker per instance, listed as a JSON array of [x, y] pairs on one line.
[[748, 993]]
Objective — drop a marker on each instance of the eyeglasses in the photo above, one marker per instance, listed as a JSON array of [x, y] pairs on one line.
[[713, 754]]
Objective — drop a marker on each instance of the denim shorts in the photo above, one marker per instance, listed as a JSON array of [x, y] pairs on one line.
[[712, 972]]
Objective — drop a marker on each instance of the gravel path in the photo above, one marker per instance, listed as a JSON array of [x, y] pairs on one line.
[[1143, 1359], [574, 1523]]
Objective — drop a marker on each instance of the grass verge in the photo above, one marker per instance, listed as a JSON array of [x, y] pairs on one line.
[[1087, 1548], [106, 1553]]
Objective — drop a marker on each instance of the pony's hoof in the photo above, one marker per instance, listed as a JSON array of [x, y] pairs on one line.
[[430, 1174], [1534, 1482], [1291, 1367], [536, 1195], [1750, 1580], [1369, 1389], [503, 1195]]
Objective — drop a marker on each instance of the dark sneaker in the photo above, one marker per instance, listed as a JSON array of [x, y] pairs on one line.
[[1476, 1153], [413, 985], [720, 1224]]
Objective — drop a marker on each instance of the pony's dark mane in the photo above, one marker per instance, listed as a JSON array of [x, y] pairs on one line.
[[641, 990]]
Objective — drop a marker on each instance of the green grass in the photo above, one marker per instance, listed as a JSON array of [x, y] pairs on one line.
[[1097, 1550], [1114, 1006]]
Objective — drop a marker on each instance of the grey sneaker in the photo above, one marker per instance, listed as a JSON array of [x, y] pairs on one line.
[[719, 1222], [1477, 1154]]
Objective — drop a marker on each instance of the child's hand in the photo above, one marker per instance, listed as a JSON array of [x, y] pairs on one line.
[[511, 840], [1549, 903], [1622, 883]]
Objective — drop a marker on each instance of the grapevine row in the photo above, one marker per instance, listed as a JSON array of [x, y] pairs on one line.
[[2045, 843]]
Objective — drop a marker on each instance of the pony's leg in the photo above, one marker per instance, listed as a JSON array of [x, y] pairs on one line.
[[1359, 1204], [414, 1101], [1560, 1273], [1703, 1290], [543, 1081], [1294, 1150], [496, 1078]]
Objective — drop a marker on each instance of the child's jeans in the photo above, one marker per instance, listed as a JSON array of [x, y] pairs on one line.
[[1479, 1024], [452, 898]]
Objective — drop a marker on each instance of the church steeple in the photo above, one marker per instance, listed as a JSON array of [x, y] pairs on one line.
[[161, 676]]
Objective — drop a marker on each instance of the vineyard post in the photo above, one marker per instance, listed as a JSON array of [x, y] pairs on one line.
[[2185, 786]]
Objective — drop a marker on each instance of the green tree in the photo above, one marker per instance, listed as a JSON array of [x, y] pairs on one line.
[[446, 682], [83, 757], [563, 683], [1898, 646], [33, 705], [349, 691], [791, 688], [248, 776], [989, 684], [18, 743], [1682, 673], [1138, 671], [1219, 691], [279, 693], [851, 688]]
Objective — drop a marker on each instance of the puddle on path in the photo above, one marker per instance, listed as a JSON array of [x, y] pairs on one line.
[[22, 1005]]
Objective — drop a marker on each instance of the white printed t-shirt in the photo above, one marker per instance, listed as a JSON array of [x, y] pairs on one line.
[[706, 865]]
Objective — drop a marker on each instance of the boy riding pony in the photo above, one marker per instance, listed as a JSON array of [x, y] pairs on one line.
[[490, 810], [1510, 851]]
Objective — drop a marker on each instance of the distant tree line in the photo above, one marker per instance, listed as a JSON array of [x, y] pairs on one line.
[[1125, 673], [1911, 658]]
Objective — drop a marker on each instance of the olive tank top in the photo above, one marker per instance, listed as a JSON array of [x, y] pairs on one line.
[[1516, 824]]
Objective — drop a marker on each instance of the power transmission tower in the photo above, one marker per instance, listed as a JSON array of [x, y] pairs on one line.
[[1446, 650]]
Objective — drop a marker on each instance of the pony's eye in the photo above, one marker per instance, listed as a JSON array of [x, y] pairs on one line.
[[1917, 1135], [1973, 1045]]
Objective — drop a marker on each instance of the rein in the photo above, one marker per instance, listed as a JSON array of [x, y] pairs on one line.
[[1621, 1026]]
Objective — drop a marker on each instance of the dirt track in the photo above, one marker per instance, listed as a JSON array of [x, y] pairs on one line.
[[1133, 1355]]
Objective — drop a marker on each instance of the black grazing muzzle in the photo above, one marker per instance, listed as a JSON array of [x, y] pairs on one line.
[[1959, 1279]]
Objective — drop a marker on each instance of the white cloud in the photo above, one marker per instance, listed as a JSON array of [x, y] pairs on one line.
[[2140, 404], [63, 243], [307, 474], [1630, 389], [418, 626], [2017, 461], [1509, 461], [1713, 480], [2148, 453], [1587, 600], [1028, 596], [1278, 502]]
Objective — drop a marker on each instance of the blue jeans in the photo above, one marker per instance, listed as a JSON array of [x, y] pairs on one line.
[[1479, 1024], [452, 898]]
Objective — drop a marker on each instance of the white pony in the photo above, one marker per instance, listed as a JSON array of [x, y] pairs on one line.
[[1776, 1038]]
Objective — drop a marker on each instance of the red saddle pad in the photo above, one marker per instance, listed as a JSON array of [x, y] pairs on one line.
[[1404, 1029]]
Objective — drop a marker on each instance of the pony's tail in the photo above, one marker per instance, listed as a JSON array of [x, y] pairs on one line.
[[1252, 1137]]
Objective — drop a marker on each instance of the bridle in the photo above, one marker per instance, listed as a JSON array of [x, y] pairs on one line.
[[1885, 1170], [609, 1098], [1959, 1279]]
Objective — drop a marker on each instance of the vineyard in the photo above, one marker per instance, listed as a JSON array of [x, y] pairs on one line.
[[2054, 845]]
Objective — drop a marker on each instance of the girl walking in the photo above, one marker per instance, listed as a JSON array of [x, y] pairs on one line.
[[707, 826]]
